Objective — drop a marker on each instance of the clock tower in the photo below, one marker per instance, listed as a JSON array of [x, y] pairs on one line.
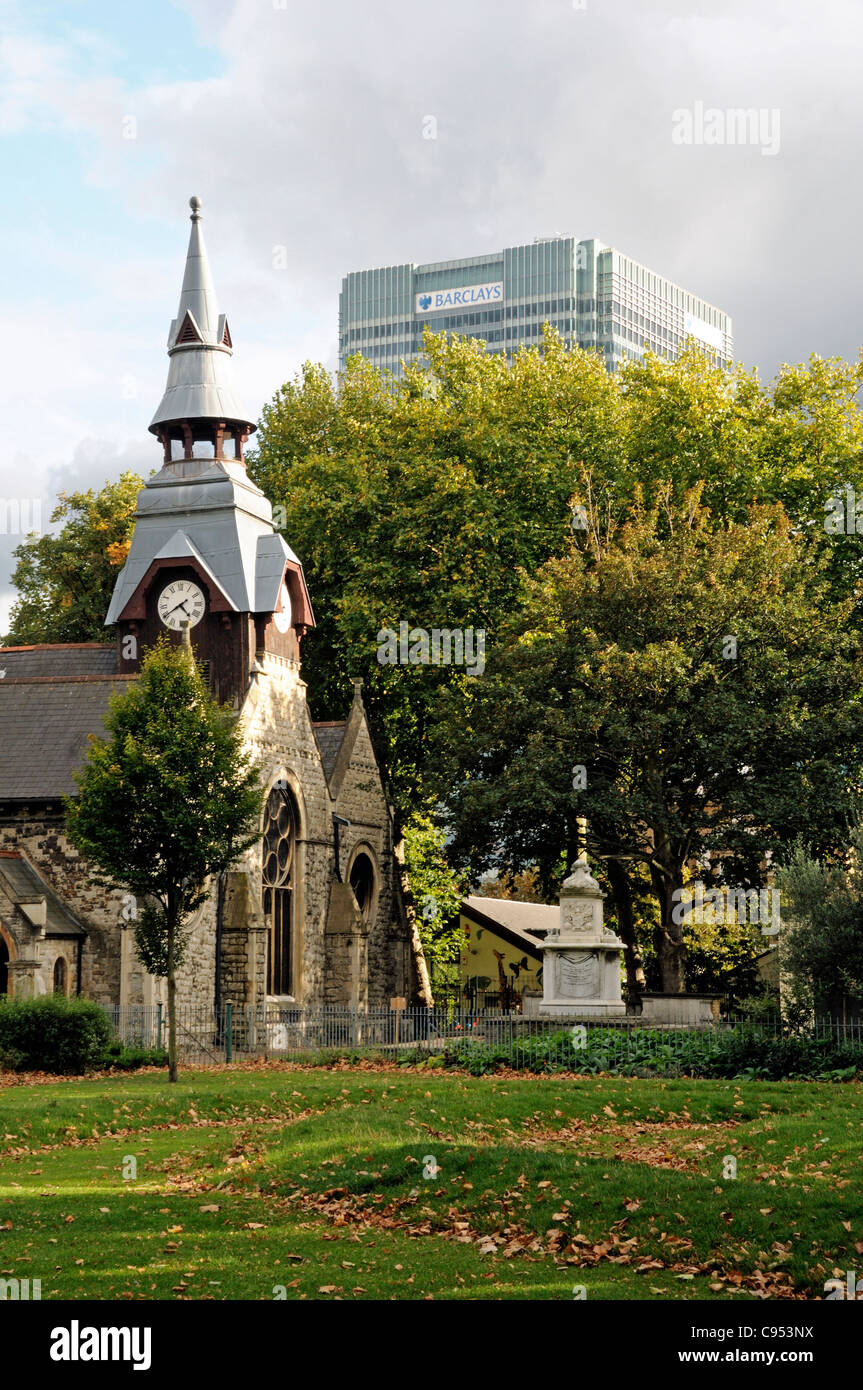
[[204, 551]]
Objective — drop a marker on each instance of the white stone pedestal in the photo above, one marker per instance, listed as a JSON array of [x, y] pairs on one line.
[[581, 960]]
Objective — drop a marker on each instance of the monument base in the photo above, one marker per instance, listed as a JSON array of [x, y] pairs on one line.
[[571, 1008]]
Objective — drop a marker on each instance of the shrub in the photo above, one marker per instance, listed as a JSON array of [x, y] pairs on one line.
[[53, 1034], [746, 1052], [131, 1058]]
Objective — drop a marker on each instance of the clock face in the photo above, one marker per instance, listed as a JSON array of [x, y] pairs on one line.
[[282, 618], [181, 602]]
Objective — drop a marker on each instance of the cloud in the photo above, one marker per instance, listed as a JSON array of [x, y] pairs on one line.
[[304, 129]]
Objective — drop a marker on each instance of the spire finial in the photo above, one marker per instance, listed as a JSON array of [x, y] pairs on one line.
[[195, 205]]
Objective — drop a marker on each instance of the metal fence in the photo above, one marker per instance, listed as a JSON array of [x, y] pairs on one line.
[[205, 1036]]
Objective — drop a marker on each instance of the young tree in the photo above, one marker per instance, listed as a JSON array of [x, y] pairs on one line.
[[167, 800], [684, 689], [435, 897], [65, 579]]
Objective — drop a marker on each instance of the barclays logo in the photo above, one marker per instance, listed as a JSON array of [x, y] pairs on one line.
[[465, 297]]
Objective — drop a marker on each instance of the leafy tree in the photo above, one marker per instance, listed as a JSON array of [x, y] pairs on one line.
[[721, 957], [616, 696], [167, 800], [417, 501], [65, 579], [436, 895], [821, 945], [421, 499], [522, 887]]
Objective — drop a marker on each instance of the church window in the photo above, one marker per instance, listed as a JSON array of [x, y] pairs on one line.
[[362, 881], [280, 833], [60, 975]]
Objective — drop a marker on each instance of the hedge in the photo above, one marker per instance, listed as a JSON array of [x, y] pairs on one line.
[[53, 1034]]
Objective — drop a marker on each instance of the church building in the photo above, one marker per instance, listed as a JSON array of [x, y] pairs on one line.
[[313, 913]]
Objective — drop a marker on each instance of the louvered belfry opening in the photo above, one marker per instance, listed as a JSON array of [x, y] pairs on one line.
[[280, 834]]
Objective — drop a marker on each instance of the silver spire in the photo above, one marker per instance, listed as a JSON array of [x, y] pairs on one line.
[[199, 386]]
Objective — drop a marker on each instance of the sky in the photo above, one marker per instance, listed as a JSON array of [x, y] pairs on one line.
[[304, 130]]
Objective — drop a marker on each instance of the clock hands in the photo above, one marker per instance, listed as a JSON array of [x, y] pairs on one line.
[[181, 604]]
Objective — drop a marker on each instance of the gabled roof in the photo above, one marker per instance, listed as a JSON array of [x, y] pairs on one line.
[[180, 548], [45, 725], [337, 739], [274, 554], [330, 736], [23, 883], [522, 924]]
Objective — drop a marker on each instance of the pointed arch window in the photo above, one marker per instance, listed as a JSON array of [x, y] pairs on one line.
[[60, 976], [279, 861]]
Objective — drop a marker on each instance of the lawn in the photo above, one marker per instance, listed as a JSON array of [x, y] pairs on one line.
[[278, 1181]]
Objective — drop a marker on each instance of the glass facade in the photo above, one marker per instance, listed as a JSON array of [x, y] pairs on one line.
[[595, 296]]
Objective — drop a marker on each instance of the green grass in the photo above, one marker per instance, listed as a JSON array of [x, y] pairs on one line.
[[317, 1176]]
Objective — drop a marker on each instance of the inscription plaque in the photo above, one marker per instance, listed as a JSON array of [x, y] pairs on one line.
[[578, 974]]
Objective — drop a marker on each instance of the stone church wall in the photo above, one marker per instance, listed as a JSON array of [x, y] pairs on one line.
[[39, 835], [279, 734], [362, 801], [340, 957]]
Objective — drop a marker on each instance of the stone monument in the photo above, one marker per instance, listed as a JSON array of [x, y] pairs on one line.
[[581, 958]]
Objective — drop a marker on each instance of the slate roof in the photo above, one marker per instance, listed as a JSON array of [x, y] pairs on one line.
[[44, 728], [526, 923], [218, 513], [60, 659], [330, 735], [23, 881]]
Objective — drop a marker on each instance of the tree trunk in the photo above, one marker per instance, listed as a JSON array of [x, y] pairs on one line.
[[622, 894], [422, 983], [668, 935], [172, 1005]]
